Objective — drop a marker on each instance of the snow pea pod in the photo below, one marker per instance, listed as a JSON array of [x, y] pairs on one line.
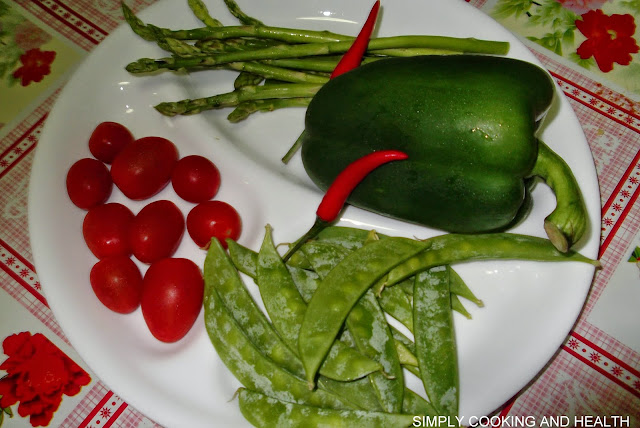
[[264, 336], [457, 285], [406, 351], [279, 295], [435, 340], [396, 303], [358, 391], [286, 308], [339, 292], [243, 258], [250, 318], [454, 248], [457, 306], [414, 404], [263, 411], [240, 355], [367, 326], [246, 261], [348, 237]]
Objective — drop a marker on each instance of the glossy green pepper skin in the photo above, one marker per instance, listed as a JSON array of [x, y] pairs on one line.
[[468, 124]]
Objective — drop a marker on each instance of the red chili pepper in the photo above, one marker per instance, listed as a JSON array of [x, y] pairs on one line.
[[336, 196], [353, 57], [350, 60]]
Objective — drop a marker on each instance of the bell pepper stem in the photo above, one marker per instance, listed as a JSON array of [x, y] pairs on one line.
[[568, 221]]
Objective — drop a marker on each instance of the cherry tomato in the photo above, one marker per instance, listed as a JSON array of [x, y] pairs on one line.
[[117, 283], [106, 230], [172, 294], [144, 167], [195, 179], [211, 219], [108, 139], [156, 231], [88, 183]]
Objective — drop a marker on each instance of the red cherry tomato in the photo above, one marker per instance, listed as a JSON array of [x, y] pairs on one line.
[[144, 167], [156, 231], [117, 283], [108, 139], [213, 219], [88, 183], [172, 294], [106, 230], [195, 179]]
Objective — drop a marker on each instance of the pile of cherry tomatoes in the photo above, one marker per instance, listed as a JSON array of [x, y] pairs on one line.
[[170, 292]]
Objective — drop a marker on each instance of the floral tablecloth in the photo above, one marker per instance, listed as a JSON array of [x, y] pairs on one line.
[[589, 46]]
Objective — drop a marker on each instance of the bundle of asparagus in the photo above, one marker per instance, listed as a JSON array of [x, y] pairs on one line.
[[278, 67]]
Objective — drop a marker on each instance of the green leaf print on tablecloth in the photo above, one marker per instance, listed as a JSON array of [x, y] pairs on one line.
[[33, 58], [21, 60], [598, 35]]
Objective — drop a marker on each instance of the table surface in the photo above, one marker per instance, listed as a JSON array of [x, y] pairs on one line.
[[595, 373]]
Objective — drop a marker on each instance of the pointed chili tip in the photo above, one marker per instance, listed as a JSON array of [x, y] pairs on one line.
[[353, 57]]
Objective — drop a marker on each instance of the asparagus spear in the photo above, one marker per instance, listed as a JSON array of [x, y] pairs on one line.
[[246, 78], [291, 35], [149, 65], [201, 12], [244, 109], [232, 99], [318, 49], [238, 13]]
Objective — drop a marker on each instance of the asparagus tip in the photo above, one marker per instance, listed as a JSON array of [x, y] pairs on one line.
[[167, 109]]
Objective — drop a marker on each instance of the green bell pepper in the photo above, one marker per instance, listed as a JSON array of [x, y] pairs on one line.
[[468, 124]]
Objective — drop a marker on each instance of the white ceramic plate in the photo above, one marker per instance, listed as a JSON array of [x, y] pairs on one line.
[[530, 307]]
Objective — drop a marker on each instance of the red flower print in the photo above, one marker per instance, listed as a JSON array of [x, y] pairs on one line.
[[35, 65], [609, 38], [38, 375], [29, 36]]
